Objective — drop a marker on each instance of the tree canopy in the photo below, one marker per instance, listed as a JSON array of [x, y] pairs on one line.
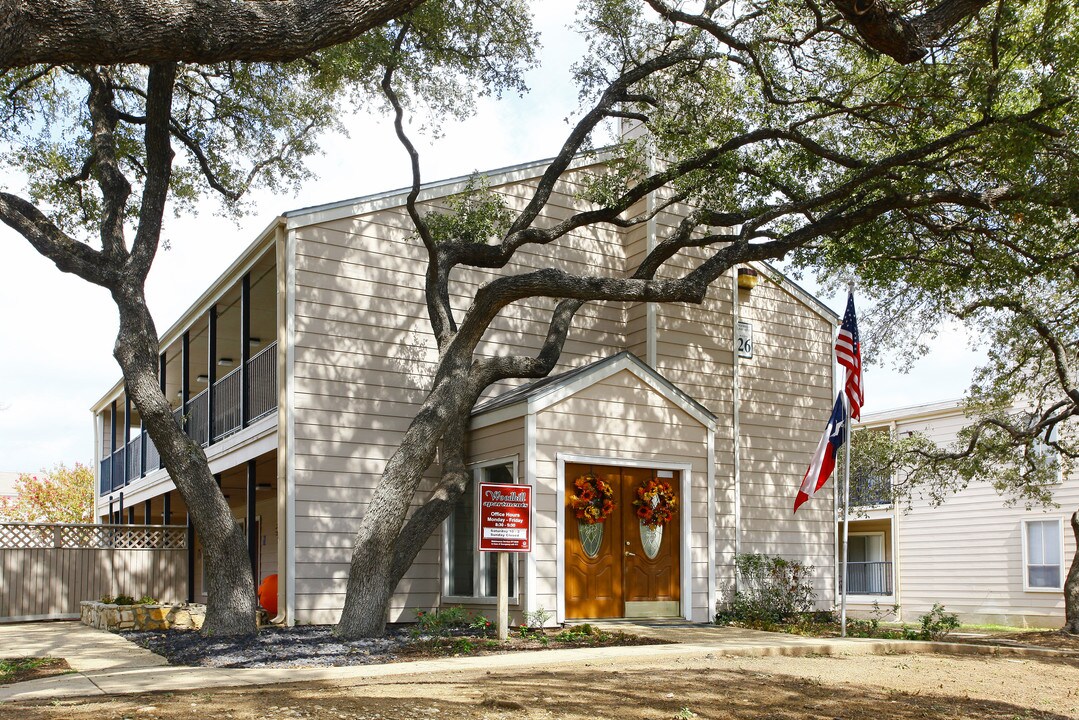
[[931, 150], [60, 495], [106, 148], [775, 133]]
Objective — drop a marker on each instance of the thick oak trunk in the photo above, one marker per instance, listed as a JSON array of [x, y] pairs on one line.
[[385, 545], [1071, 585], [231, 603], [372, 577], [56, 32]]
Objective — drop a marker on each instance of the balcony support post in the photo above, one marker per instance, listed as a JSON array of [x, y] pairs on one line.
[[185, 377], [148, 512], [112, 444], [190, 560], [245, 347], [166, 512], [252, 534], [120, 509], [127, 435]]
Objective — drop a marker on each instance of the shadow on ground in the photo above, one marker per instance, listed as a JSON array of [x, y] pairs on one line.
[[588, 692]]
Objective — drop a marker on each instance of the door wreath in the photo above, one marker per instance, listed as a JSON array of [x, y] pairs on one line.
[[655, 503], [593, 501]]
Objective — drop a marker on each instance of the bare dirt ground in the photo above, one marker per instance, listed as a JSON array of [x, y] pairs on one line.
[[1052, 639], [905, 687]]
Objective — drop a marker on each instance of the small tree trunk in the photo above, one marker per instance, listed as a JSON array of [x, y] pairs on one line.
[[231, 603], [1071, 585]]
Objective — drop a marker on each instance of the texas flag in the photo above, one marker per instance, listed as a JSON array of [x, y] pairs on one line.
[[824, 458]]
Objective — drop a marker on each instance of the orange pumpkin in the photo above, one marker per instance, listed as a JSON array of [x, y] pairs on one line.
[[268, 594]]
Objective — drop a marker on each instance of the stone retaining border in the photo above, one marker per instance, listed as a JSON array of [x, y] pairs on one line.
[[109, 616]]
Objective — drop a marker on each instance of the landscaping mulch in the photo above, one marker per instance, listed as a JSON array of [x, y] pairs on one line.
[[1050, 639], [317, 646]]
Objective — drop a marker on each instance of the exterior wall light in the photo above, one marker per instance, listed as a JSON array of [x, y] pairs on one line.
[[747, 278]]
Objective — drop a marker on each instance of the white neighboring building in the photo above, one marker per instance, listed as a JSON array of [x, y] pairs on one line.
[[984, 561]]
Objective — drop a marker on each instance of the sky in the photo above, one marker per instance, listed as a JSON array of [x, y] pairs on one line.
[[57, 331]]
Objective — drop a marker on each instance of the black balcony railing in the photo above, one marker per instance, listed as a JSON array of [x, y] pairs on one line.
[[118, 469], [198, 418], [106, 475], [141, 456], [869, 578], [228, 416], [870, 490], [262, 382], [134, 457]]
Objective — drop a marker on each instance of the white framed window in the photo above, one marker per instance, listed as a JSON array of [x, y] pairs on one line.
[[868, 571], [470, 575], [1043, 555]]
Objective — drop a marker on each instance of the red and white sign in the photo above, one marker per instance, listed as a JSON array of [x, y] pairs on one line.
[[505, 518]]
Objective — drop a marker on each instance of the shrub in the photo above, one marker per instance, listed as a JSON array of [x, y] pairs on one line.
[[770, 590], [936, 624], [537, 618], [439, 623]]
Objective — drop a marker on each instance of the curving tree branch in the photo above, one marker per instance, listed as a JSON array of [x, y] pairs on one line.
[[197, 31], [905, 39]]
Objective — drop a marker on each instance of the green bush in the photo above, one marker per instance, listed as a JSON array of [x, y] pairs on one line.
[[770, 590], [447, 621], [936, 624], [128, 600]]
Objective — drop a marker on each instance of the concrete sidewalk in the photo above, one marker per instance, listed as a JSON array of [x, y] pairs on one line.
[[107, 664]]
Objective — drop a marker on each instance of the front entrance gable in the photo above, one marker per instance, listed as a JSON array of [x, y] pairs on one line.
[[537, 396], [620, 418]]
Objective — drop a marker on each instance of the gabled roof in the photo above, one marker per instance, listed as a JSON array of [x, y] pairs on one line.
[[520, 172], [796, 291], [545, 392]]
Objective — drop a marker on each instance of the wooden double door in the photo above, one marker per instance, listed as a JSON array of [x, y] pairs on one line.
[[624, 574]]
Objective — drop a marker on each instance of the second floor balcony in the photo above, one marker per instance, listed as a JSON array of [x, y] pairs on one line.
[[870, 490], [240, 398]]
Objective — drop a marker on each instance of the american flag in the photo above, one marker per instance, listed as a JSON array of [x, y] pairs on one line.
[[848, 353]]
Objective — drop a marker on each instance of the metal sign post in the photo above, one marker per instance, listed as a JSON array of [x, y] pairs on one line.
[[505, 527]]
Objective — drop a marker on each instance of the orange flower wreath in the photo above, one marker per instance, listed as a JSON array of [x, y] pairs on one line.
[[593, 501], [655, 503]]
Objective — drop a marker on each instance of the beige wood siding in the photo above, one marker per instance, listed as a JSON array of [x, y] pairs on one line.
[[364, 355], [619, 418], [968, 552], [786, 397]]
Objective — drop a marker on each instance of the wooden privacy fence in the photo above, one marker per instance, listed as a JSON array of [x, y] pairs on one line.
[[47, 569]]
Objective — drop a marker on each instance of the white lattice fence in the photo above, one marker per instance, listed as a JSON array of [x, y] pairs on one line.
[[47, 569]]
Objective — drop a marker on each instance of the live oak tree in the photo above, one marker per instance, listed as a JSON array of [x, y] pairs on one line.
[[775, 131], [1019, 294], [777, 124], [97, 144]]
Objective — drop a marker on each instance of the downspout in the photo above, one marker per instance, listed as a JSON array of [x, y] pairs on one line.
[[736, 400], [650, 245], [286, 453], [896, 593]]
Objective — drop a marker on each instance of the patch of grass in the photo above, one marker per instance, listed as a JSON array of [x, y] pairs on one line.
[[16, 669], [1002, 629]]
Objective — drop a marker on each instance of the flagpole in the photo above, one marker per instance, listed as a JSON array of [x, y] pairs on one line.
[[846, 526], [846, 506]]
